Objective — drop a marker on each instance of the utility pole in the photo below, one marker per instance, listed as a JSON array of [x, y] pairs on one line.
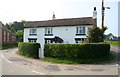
[[103, 13], [103, 9]]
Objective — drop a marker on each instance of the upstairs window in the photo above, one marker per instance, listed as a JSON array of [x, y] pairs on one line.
[[33, 31], [48, 31], [4, 36], [80, 30]]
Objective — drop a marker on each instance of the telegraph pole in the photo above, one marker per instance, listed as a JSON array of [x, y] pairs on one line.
[[103, 13], [103, 10]]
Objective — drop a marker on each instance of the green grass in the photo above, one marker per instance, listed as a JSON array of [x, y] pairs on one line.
[[114, 43], [109, 57]]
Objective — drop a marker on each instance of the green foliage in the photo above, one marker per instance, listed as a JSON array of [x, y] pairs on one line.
[[95, 34], [18, 25], [85, 51], [108, 57], [6, 46], [19, 35], [29, 49], [16, 28], [7, 26], [12, 30]]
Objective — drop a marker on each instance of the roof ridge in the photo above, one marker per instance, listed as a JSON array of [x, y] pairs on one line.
[[60, 19]]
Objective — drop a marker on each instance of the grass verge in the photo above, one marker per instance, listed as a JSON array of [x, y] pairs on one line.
[[114, 43], [109, 57]]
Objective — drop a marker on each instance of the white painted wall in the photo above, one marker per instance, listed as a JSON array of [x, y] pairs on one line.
[[67, 33]]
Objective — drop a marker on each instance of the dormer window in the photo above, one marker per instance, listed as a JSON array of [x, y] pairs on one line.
[[48, 31], [33, 31], [80, 30]]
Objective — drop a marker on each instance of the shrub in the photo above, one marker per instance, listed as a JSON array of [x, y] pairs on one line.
[[29, 49], [85, 51], [6, 46]]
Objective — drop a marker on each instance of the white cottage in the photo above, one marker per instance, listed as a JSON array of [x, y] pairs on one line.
[[71, 30]]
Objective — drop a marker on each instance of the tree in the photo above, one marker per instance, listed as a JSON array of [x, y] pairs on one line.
[[7, 26], [19, 35], [12, 30], [95, 34], [16, 28]]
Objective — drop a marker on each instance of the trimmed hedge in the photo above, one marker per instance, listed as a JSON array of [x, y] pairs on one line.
[[29, 49], [85, 51]]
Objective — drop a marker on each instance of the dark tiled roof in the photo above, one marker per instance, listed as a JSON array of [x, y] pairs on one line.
[[60, 22]]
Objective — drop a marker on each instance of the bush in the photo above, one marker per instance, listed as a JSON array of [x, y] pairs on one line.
[[85, 51], [29, 49]]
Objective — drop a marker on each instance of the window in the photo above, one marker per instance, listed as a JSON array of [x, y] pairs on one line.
[[4, 36], [48, 31], [32, 39], [48, 41], [80, 40], [33, 31], [80, 30], [8, 36]]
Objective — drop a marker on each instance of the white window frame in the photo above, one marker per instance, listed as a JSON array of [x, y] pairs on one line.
[[33, 32], [48, 30], [81, 30], [4, 36], [8, 36]]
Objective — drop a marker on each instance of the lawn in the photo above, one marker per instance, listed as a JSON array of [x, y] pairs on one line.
[[114, 43], [109, 57]]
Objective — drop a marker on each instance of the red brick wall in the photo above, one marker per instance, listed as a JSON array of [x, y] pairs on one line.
[[12, 39]]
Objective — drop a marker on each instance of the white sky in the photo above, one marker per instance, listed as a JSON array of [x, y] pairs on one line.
[[37, 10]]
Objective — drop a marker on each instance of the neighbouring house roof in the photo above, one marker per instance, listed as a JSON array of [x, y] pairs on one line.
[[60, 22], [3, 27]]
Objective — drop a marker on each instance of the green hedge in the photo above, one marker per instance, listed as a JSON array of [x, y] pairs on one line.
[[6, 46], [85, 51], [29, 49]]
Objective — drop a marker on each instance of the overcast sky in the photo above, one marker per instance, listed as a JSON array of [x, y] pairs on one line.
[[37, 10]]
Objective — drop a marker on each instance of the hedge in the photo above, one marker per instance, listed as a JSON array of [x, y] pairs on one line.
[[29, 49], [85, 51], [11, 45]]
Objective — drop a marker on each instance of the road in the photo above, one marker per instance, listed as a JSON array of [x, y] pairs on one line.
[[13, 64], [116, 50]]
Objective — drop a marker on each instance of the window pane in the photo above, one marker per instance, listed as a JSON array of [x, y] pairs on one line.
[[77, 30], [51, 30], [4, 35], [33, 31], [48, 30], [30, 31], [45, 30], [84, 30]]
